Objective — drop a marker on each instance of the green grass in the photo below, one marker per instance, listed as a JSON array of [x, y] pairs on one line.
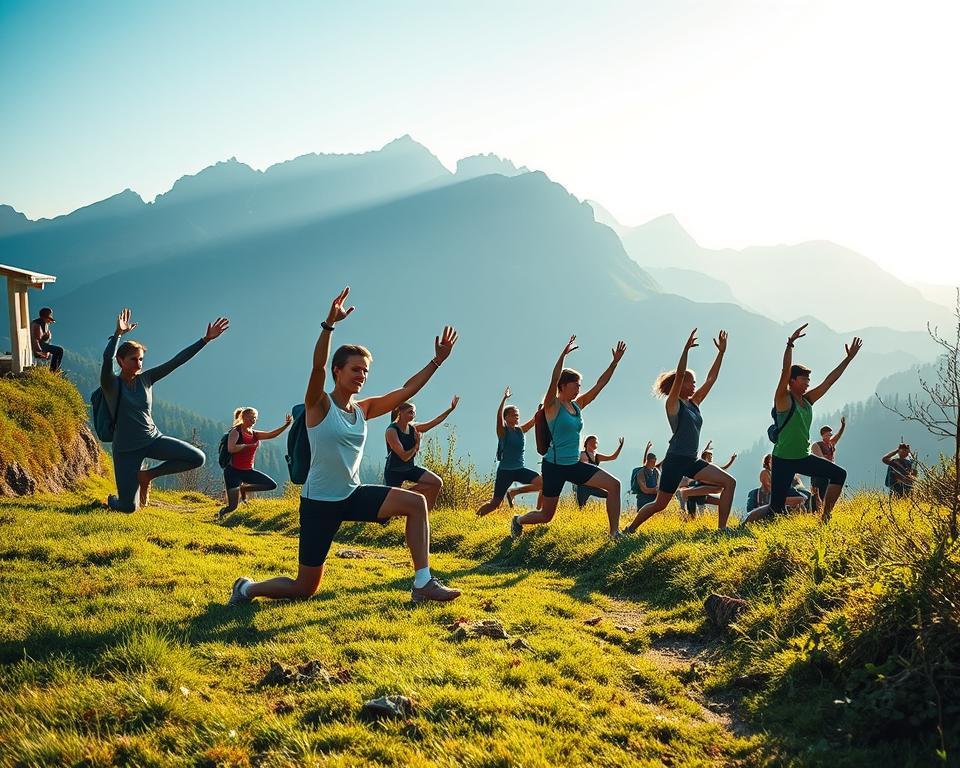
[[117, 648]]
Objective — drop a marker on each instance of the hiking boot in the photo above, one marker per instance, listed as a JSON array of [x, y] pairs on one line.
[[434, 590], [114, 503], [516, 530], [237, 597]]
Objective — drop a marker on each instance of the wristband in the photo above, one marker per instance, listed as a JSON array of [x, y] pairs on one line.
[[790, 344], [435, 363], [326, 327]]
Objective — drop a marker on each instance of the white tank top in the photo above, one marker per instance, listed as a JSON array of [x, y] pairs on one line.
[[336, 448]]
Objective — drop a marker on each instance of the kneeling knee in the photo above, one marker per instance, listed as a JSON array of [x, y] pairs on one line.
[[305, 590], [197, 459]]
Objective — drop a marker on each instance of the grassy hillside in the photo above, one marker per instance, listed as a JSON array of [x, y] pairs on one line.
[[42, 418], [117, 649]]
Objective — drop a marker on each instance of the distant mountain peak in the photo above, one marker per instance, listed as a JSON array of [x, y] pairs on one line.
[[603, 216], [221, 176], [12, 221], [486, 164], [119, 204], [666, 230]]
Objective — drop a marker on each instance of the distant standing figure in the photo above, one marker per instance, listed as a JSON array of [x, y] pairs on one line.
[[645, 480], [40, 335], [901, 471]]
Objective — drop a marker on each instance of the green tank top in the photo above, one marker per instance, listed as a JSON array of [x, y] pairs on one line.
[[793, 442]]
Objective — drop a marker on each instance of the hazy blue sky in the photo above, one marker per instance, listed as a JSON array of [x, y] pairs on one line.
[[755, 122]]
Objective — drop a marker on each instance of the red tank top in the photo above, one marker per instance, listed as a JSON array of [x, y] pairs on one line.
[[244, 459], [827, 449]]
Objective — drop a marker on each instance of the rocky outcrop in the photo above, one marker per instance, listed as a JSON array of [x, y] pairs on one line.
[[81, 458]]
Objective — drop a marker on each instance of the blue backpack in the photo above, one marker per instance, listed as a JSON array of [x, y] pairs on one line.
[[774, 430], [298, 446], [104, 424]]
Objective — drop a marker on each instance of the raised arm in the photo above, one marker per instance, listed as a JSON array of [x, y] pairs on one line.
[[733, 458], [613, 456], [501, 426], [315, 400], [214, 330], [721, 344], [781, 397], [274, 432], [889, 457], [823, 387], [550, 398], [673, 396], [377, 406], [843, 426], [428, 425], [588, 397], [528, 424], [107, 379]]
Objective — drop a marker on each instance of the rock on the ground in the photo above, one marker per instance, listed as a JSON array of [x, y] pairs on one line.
[[80, 459], [309, 672], [722, 610], [386, 708], [360, 554], [464, 630]]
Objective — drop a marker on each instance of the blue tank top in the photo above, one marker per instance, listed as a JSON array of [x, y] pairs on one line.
[[686, 424], [565, 436], [510, 448]]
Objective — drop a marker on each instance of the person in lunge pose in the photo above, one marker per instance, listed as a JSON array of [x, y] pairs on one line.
[[239, 476], [336, 427], [825, 448], [129, 397], [696, 495], [589, 455], [403, 444], [683, 413], [793, 405], [901, 471], [510, 469], [562, 406]]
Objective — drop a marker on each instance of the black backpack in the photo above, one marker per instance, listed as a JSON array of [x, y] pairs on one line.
[[104, 424], [773, 431], [298, 446], [224, 457]]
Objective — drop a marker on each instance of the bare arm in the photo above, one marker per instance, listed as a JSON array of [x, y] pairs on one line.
[[550, 399], [274, 432], [733, 458], [233, 442], [428, 425], [721, 344], [501, 426], [377, 406], [889, 457], [781, 397], [823, 387], [843, 426], [316, 402], [528, 424], [613, 456], [35, 337], [643, 486], [588, 397], [673, 396]]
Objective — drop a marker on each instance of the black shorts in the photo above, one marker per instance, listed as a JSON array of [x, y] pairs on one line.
[[395, 477], [507, 477], [233, 478], [320, 520], [783, 470], [820, 484], [555, 475], [675, 468]]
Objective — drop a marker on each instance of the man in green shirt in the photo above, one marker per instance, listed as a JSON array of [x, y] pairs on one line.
[[793, 402]]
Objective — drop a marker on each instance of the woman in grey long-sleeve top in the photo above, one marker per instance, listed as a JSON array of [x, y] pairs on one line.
[[129, 397]]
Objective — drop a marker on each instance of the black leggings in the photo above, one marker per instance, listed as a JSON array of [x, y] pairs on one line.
[[783, 470]]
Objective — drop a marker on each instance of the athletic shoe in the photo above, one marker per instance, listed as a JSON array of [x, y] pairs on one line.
[[236, 596], [617, 535], [114, 503], [434, 590], [516, 530]]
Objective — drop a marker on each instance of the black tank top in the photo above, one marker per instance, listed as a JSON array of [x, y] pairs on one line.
[[407, 441]]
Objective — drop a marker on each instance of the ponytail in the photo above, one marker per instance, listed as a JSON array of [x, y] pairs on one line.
[[238, 415]]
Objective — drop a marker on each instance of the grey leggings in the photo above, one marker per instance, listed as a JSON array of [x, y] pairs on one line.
[[176, 455]]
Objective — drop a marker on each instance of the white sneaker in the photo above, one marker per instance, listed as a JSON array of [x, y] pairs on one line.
[[236, 596]]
